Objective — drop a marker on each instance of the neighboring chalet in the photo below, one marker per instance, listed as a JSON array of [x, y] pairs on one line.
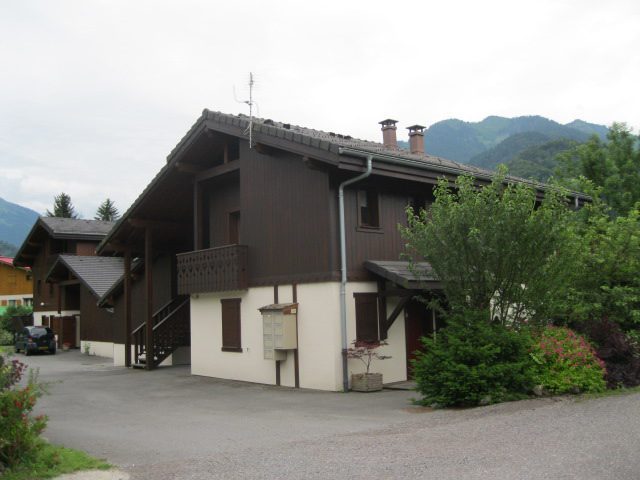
[[16, 285], [58, 304], [242, 250]]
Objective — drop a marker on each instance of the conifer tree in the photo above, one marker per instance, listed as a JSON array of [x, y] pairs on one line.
[[62, 207], [107, 211]]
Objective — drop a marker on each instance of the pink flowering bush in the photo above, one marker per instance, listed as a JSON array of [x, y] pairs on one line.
[[19, 429], [566, 363]]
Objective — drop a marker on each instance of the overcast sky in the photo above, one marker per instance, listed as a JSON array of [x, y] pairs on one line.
[[94, 94]]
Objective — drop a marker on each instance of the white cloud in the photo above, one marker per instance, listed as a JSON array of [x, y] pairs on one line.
[[96, 93]]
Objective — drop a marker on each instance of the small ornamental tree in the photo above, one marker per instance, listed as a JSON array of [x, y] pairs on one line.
[[107, 211], [497, 248], [62, 207], [366, 353]]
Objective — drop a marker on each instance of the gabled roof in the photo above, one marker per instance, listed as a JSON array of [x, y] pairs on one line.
[[75, 228], [61, 229], [9, 262], [98, 274], [342, 151]]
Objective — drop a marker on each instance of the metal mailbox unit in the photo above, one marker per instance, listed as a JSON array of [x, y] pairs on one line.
[[279, 330]]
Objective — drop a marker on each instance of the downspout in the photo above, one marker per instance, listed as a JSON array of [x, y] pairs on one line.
[[343, 270]]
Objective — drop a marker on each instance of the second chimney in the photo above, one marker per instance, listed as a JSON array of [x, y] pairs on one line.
[[389, 138], [416, 139]]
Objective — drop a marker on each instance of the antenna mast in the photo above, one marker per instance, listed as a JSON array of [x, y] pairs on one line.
[[250, 103]]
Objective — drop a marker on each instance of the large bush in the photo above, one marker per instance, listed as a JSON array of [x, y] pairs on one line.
[[472, 361], [19, 430], [566, 362], [620, 353], [497, 248]]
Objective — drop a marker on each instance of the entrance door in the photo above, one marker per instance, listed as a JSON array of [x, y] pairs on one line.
[[418, 322]]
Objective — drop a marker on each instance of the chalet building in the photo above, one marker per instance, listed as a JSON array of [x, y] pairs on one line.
[[58, 304], [16, 285], [263, 249]]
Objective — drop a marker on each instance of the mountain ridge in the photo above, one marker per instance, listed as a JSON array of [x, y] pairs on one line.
[[15, 222]]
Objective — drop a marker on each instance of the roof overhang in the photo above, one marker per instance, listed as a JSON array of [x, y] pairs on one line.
[[410, 276]]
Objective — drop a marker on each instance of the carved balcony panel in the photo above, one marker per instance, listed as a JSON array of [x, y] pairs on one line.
[[213, 270]]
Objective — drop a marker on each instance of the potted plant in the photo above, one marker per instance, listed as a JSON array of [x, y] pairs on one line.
[[366, 352]]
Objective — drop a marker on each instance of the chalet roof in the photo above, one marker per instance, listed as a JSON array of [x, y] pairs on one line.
[[98, 274], [330, 141], [9, 262], [402, 273], [75, 228], [60, 229], [333, 148]]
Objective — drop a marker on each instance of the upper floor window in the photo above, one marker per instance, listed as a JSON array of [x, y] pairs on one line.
[[368, 209]]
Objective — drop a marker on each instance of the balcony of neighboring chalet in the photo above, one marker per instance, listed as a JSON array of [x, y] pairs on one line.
[[215, 269]]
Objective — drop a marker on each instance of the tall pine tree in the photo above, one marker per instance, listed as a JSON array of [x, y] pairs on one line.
[[62, 207], [107, 211]]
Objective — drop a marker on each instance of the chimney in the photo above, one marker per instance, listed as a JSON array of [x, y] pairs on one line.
[[416, 139], [389, 139]]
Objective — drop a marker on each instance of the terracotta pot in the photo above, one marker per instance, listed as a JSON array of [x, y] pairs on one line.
[[366, 382]]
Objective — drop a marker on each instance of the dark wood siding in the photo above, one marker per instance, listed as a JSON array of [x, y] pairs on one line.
[[284, 218], [224, 198], [385, 242], [85, 248], [231, 332], [96, 324]]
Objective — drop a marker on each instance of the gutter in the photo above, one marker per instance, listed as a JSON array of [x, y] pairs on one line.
[[422, 165], [343, 268]]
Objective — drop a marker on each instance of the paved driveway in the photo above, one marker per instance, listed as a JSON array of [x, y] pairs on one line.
[[167, 424]]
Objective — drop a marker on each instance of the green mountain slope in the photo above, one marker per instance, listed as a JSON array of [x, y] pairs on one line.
[[462, 141], [508, 149], [539, 162], [15, 222]]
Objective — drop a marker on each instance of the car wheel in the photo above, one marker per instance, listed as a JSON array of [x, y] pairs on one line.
[[17, 350], [52, 351]]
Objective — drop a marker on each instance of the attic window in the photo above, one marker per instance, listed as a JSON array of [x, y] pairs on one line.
[[368, 209]]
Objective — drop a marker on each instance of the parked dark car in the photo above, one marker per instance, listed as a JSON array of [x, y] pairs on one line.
[[35, 339]]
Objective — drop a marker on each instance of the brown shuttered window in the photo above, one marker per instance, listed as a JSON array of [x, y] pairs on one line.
[[231, 340], [367, 317]]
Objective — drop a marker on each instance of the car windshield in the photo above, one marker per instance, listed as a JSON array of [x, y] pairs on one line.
[[38, 331]]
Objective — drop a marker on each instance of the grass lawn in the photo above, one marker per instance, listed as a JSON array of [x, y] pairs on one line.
[[54, 460]]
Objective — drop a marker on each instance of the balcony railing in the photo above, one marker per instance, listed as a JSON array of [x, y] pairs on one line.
[[213, 270]]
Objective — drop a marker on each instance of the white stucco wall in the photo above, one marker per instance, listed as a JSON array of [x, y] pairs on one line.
[[393, 369], [37, 316], [100, 349], [319, 342]]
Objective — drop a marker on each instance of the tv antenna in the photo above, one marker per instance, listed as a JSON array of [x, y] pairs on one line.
[[251, 103]]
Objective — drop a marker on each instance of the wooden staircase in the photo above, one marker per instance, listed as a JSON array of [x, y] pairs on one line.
[[171, 330]]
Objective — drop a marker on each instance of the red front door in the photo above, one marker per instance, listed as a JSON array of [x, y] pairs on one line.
[[418, 322]]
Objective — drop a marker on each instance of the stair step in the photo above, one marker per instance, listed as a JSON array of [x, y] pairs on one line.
[[138, 365]]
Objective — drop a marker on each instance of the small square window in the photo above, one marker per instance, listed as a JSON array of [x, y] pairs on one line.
[[368, 209]]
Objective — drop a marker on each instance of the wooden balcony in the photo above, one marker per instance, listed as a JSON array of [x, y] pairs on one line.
[[213, 270]]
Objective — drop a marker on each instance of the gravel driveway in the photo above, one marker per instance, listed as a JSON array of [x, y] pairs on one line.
[[167, 424]]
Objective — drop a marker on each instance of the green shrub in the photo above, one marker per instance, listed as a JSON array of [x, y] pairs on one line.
[[472, 361], [19, 430], [566, 362], [6, 338]]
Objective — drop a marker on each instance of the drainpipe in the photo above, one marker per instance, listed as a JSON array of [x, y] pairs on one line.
[[343, 270]]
